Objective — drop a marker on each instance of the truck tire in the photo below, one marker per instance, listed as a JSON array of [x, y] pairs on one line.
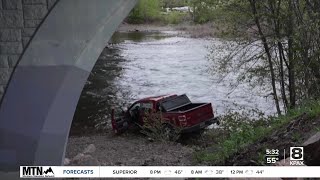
[[169, 133]]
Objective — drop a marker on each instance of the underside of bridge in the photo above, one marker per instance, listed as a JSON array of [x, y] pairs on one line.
[[41, 95]]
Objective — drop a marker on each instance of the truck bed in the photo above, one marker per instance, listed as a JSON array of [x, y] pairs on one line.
[[187, 107], [181, 107]]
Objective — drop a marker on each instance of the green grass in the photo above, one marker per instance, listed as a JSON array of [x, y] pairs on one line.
[[296, 137], [244, 132], [234, 142], [261, 158]]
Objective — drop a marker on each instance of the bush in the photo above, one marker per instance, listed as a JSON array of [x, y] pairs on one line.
[[155, 127], [173, 17]]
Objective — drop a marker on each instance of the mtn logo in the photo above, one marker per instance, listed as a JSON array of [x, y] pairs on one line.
[[36, 171]]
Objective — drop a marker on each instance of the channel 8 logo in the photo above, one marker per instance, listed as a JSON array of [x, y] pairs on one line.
[[296, 153]]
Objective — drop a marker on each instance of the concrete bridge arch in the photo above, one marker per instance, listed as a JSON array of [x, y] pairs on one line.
[[47, 50]]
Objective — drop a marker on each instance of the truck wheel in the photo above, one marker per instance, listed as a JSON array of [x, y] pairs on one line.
[[218, 122], [169, 134], [201, 132]]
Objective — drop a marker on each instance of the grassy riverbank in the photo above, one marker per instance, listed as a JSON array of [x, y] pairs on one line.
[[243, 142], [197, 18]]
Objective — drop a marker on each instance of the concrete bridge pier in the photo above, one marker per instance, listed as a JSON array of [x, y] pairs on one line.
[[56, 44]]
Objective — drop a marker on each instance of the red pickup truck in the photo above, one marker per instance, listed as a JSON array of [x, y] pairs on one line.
[[178, 112]]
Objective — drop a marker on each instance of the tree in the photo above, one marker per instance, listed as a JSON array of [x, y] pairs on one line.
[[267, 51], [286, 35], [145, 11]]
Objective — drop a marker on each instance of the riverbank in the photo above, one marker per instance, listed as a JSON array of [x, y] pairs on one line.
[[130, 149], [246, 144], [185, 29]]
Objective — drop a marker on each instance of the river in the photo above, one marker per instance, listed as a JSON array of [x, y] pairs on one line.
[[140, 64]]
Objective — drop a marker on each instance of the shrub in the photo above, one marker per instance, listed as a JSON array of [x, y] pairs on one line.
[[173, 17], [155, 127]]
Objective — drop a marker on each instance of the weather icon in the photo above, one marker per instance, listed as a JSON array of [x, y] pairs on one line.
[[209, 172], [249, 172], [167, 172]]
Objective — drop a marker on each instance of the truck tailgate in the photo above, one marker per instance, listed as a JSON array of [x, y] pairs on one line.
[[199, 114]]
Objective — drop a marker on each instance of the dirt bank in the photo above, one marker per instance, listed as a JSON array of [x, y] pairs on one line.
[[131, 150], [135, 149]]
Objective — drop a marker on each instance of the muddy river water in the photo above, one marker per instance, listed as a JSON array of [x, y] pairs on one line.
[[136, 65]]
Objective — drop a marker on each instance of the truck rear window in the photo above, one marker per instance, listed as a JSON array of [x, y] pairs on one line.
[[172, 103]]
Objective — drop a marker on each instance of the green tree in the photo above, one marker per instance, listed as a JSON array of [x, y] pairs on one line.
[[202, 10], [280, 47], [145, 11]]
